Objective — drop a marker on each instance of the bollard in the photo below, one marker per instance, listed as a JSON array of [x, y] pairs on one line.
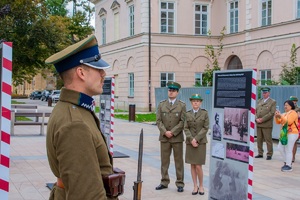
[[49, 102], [132, 112]]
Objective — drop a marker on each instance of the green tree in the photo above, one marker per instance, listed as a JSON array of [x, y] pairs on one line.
[[38, 30], [289, 74], [57, 7], [214, 55]]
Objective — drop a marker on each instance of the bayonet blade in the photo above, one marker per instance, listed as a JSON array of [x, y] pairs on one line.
[[140, 158]]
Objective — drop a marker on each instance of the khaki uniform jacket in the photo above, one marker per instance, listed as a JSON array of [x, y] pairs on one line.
[[196, 126], [170, 118], [77, 151], [266, 111]]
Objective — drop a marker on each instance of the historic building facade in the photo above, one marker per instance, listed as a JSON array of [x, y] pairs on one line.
[[259, 34]]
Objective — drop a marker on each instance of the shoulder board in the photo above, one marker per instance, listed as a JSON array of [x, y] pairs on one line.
[[163, 101], [182, 101], [203, 109], [189, 110]]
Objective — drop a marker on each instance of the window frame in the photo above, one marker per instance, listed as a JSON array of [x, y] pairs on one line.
[[265, 80], [167, 19], [201, 13], [131, 84], [131, 19], [103, 29], [235, 24], [167, 78], [268, 17], [201, 78]]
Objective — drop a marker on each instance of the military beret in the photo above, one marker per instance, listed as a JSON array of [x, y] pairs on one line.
[[265, 89], [173, 85], [293, 98], [196, 97], [84, 52]]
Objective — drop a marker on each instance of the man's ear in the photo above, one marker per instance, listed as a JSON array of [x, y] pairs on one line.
[[81, 73]]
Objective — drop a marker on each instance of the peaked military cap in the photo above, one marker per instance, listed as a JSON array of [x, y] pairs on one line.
[[293, 98], [84, 52], [196, 97], [265, 89], [173, 85]]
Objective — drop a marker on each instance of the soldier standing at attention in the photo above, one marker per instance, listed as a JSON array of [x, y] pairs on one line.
[[77, 152], [170, 118], [297, 109], [265, 111], [196, 125]]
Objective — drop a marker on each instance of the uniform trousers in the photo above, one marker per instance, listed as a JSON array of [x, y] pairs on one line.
[[287, 150], [165, 153], [264, 134]]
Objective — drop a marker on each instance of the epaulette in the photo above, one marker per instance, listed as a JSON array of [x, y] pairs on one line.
[[182, 101], [189, 110], [163, 101], [203, 109]]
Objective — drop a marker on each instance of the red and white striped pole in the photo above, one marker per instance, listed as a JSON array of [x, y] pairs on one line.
[[252, 128], [112, 116], [6, 76]]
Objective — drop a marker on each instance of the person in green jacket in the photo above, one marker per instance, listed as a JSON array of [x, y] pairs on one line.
[[196, 125], [169, 120], [77, 152]]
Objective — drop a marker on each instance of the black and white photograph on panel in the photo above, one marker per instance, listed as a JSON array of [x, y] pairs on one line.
[[236, 124], [237, 152], [217, 130], [218, 150], [227, 181]]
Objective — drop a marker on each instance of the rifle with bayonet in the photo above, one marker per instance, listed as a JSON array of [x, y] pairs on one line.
[[137, 188]]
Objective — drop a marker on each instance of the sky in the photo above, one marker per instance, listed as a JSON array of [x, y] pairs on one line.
[[70, 8]]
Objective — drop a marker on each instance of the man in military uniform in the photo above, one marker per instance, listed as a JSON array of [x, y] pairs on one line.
[[77, 152], [265, 110], [297, 109], [170, 119]]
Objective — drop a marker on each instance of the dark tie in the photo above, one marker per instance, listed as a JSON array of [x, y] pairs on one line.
[[195, 114], [171, 104]]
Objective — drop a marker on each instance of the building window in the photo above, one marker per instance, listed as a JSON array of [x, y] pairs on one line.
[[201, 19], [116, 26], [265, 77], [103, 30], [167, 17], [266, 12], [131, 85], [165, 78], [234, 16], [131, 20], [298, 8], [198, 79]]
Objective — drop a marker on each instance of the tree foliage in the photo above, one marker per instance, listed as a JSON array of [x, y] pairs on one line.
[[289, 74], [214, 55], [39, 29]]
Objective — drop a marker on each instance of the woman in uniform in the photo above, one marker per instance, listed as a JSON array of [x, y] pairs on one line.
[[195, 127]]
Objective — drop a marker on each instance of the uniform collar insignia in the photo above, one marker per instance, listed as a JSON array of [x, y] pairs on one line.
[[86, 102]]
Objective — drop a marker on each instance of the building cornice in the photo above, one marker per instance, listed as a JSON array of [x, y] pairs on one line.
[[102, 12], [115, 5]]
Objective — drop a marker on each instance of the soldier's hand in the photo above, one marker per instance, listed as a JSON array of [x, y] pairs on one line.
[[169, 134]]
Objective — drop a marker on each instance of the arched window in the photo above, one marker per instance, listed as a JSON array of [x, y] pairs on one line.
[[235, 63]]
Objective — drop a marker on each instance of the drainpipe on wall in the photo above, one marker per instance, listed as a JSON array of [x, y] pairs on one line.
[[149, 51]]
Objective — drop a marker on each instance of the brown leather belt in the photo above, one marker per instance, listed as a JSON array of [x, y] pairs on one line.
[[59, 183]]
